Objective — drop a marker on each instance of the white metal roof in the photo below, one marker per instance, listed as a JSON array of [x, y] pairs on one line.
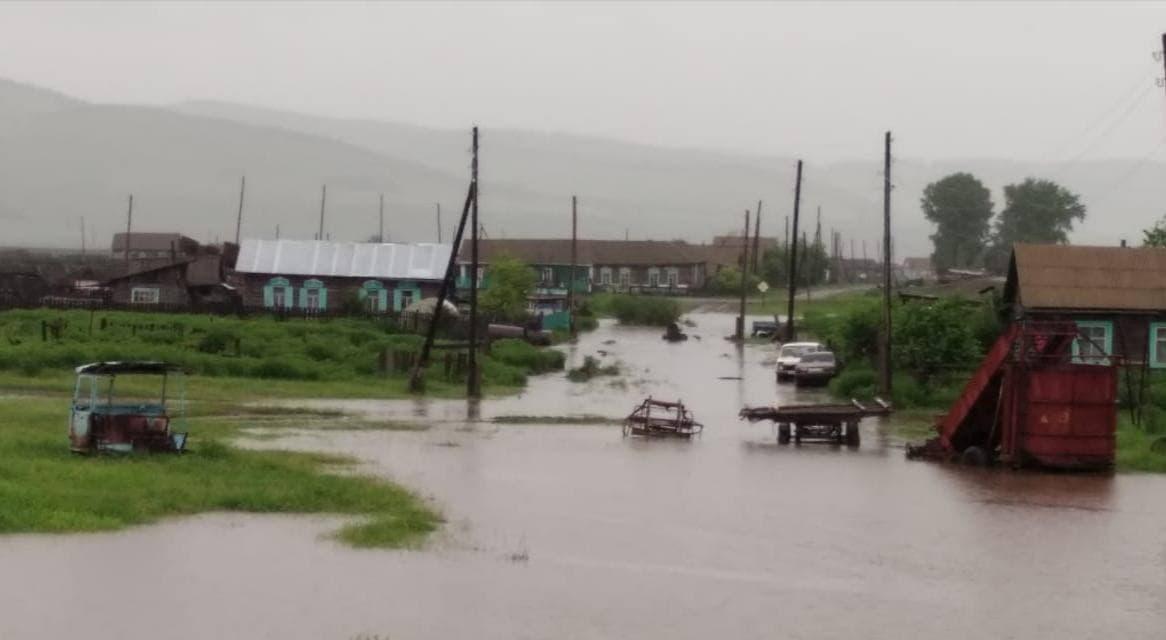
[[398, 261]]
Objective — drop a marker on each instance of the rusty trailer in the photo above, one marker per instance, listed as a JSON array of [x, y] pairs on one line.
[[1036, 400], [657, 418], [835, 423]]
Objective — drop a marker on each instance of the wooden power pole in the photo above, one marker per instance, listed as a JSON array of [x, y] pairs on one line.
[[381, 218], [438, 204], [885, 342], [790, 332], [323, 199], [473, 383], [739, 336], [574, 260], [129, 229], [239, 216], [757, 240]]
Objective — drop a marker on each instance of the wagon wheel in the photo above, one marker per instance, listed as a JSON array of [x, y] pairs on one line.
[[853, 437], [783, 433], [975, 457]]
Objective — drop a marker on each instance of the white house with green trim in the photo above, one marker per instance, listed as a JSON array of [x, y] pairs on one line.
[[317, 276]]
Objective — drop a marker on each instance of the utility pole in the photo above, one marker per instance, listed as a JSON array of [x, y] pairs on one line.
[[82, 238], [805, 257], [786, 242], [885, 343], [239, 217], [757, 239], [323, 199], [277, 232], [417, 376], [129, 227], [790, 333], [574, 258], [438, 222], [740, 335], [381, 211], [473, 388]]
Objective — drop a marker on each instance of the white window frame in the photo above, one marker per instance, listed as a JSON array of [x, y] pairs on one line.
[[1083, 350], [279, 296], [625, 277], [548, 274], [653, 277], [147, 293], [672, 277], [605, 276]]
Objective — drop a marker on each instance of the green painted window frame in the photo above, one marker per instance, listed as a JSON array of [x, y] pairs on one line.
[[1157, 360], [269, 293], [322, 294], [1107, 343], [402, 287], [369, 288]]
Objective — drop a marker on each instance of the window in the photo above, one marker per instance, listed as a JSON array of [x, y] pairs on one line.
[[625, 277], [1095, 343], [406, 298], [605, 276], [144, 295], [653, 277], [314, 296], [548, 275], [1158, 344], [673, 278], [313, 301], [279, 297]]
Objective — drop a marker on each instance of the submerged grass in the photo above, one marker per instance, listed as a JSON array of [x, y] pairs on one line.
[[586, 418], [1138, 450], [46, 489]]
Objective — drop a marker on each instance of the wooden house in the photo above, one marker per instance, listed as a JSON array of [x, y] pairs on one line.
[[315, 275], [188, 282], [1115, 295]]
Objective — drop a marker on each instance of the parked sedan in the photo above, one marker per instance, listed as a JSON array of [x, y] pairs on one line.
[[790, 354], [815, 369]]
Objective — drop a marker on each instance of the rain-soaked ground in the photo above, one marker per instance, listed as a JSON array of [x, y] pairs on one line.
[[558, 531]]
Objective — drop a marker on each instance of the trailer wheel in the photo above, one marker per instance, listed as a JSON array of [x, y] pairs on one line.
[[974, 457], [852, 436], [783, 433]]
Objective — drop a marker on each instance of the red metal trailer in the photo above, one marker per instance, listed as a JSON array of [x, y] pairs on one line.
[[1032, 402]]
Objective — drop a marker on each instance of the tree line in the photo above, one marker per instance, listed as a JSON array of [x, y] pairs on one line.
[[970, 234]]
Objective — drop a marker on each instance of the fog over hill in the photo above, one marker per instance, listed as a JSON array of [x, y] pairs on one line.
[[65, 158]]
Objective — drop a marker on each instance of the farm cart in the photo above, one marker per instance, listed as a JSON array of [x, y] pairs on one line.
[[836, 423], [659, 418]]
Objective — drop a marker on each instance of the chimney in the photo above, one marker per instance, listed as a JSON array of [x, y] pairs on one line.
[[1123, 243]]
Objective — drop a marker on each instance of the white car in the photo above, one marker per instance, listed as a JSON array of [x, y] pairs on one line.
[[791, 354]]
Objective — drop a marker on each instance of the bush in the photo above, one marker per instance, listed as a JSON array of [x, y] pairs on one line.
[[521, 354], [855, 382], [645, 310], [590, 369], [216, 340]]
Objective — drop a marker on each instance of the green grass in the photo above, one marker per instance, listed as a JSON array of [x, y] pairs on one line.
[[46, 489], [645, 310], [338, 356], [1138, 449], [775, 303]]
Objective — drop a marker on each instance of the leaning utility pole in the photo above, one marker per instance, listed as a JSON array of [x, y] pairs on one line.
[[739, 336], [885, 343], [381, 212], [790, 333], [473, 384], [239, 217], [786, 244], [323, 198], [574, 258], [129, 227], [757, 239], [417, 376]]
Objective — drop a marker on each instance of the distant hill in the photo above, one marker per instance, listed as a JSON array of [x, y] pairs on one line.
[[64, 158]]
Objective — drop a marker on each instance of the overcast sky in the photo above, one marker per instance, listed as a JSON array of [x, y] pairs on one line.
[[1042, 81]]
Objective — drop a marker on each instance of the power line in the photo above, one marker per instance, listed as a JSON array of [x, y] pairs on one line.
[[1105, 132]]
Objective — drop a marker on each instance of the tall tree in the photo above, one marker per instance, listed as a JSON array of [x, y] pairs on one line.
[[510, 284], [1155, 236], [1037, 211], [960, 206]]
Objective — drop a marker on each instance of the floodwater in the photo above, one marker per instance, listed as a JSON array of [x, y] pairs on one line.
[[559, 531]]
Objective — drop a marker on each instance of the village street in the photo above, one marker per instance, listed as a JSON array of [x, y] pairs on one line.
[[573, 531]]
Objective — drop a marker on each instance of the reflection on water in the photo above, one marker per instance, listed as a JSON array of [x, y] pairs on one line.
[[574, 531]]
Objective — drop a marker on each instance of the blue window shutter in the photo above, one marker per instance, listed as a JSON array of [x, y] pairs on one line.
[[268, 296], [382, 300], [323, 298]]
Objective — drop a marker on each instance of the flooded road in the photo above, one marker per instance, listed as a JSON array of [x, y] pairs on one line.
[[560, 531]]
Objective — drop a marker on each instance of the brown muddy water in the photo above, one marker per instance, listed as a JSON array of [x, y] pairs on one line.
[[559, 531]]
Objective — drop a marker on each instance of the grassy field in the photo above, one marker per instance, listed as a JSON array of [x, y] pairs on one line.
[[337, 357], [46, 489]]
